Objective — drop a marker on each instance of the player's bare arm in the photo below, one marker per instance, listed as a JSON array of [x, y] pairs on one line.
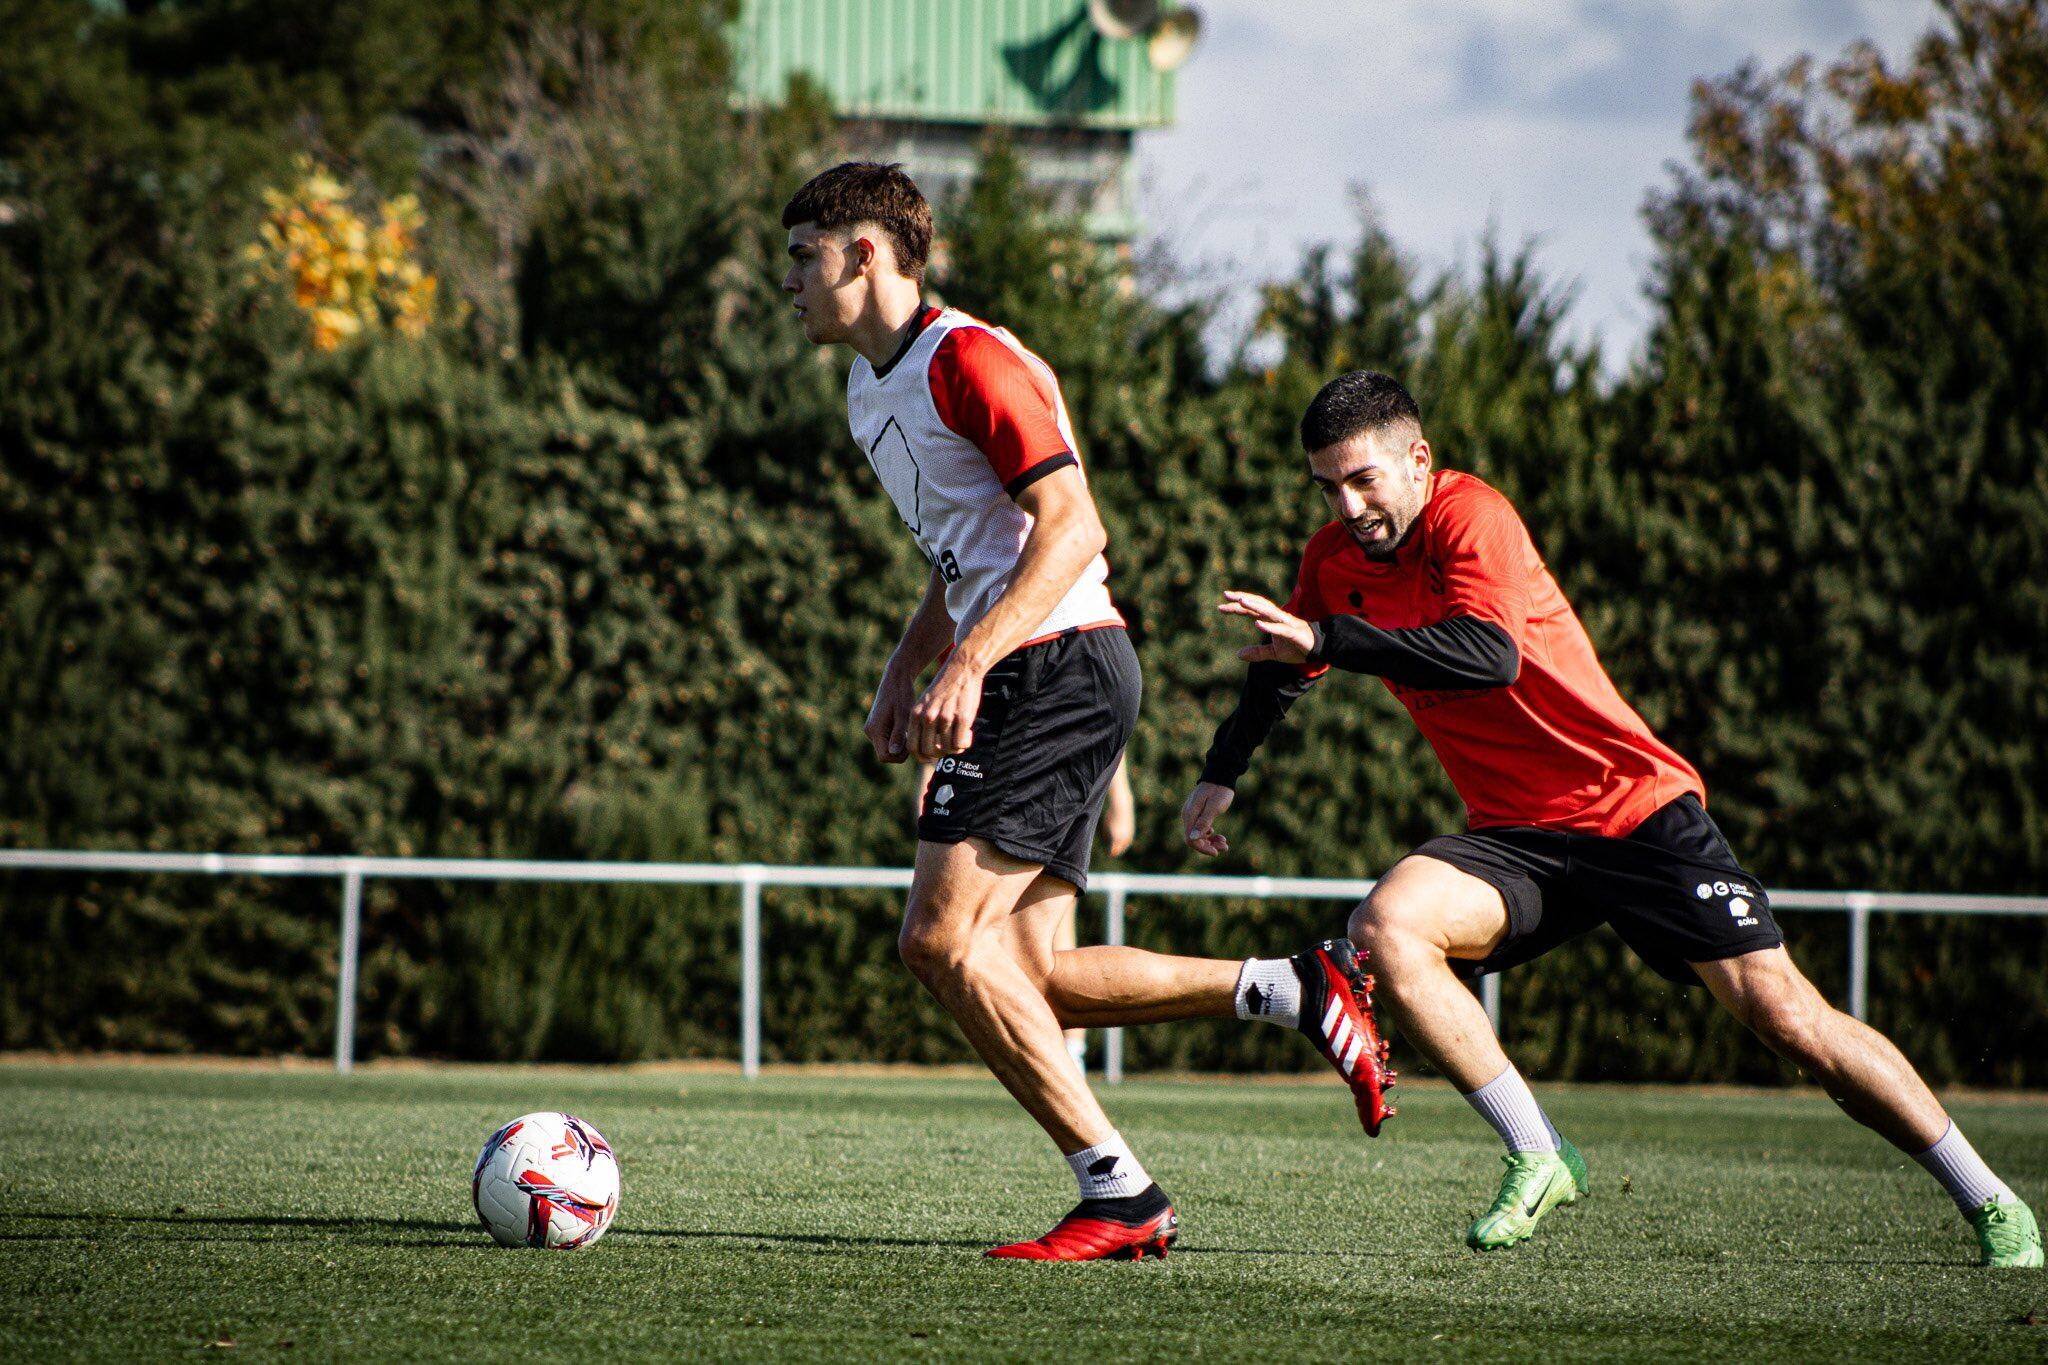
[[1119, 812], [1066, 536], [925, 637]]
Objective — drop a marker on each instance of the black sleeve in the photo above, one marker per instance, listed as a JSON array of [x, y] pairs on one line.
[[1269, 689], [1455, 653]]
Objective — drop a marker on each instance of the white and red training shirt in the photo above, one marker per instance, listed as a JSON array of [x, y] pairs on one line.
[[960, 422]]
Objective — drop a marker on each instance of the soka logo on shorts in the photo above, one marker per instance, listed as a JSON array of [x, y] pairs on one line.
[[941, 798], [1738, 904]]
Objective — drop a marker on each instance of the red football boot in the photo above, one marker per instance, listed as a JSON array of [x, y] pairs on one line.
[[1128, 1229], [1336, 1014]]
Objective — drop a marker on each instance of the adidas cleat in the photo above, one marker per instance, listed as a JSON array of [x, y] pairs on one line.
[[1130, 1229], [1536, 1183], [1336, 1014], [2007, 1235]]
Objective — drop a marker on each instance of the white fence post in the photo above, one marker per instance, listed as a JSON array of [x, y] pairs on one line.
[[345, 970], [1489, 996], [1113, 934], [750, 972], [1859, 954]]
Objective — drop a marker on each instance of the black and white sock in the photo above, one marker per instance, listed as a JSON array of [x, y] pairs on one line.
[[1269, 988], [1108, 1170], [1505, 1102], [1955, 1163]]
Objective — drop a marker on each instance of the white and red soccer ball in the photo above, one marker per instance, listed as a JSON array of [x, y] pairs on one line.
[[546, 1180]]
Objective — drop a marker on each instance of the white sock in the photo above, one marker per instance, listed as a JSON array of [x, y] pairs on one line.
[[1269, 988], [1077, 1048], [1108, 1170], [1955, 1163], [1505, 1102]]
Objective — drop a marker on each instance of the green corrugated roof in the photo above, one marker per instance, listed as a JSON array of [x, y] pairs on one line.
[[1036, 62]]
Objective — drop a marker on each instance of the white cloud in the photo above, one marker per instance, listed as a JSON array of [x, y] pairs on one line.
[[1551, 120]]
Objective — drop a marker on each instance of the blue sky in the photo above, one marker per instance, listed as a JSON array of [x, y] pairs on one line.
[[1550, 118]]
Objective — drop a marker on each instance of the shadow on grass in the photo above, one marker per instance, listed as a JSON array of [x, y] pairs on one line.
[[253, 1223], [253, 1226], [441, 1232], [805, 1239], [855, 1241]]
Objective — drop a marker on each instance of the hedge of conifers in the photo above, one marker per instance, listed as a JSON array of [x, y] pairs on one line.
[[588, 567]]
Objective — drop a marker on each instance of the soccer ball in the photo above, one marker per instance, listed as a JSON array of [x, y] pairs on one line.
[[546, 1180]]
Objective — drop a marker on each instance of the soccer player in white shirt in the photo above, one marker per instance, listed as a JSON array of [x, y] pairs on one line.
[[1035, 696]]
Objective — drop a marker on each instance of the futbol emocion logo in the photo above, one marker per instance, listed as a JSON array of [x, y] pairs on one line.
[[1738, 904]]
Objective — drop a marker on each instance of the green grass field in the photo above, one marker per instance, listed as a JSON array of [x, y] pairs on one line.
[[155, 1210]]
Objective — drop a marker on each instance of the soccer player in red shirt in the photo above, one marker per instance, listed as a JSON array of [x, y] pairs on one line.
[[1034, 698], [1579, 815]]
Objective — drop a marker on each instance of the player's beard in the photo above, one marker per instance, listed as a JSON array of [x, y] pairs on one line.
[[1399, 521]]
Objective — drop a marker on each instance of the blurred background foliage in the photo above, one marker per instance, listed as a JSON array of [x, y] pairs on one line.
[[585, 567]]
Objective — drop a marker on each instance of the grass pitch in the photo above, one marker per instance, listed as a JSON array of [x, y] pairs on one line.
[[155, 1210]]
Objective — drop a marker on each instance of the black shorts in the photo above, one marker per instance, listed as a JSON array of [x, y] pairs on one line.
[[1054, 719], [1670, 888]]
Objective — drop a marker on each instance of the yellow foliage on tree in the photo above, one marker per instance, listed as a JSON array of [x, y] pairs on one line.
[[349, 277]]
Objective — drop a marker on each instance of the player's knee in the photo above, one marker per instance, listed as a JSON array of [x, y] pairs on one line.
[[1391, 928], [1791, 1025], [933, 952], [1368, 926]]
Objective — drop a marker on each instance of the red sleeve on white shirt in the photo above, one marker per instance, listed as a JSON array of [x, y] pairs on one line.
[[987, 393]]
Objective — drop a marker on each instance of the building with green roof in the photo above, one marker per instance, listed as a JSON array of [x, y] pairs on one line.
[[921, 81]]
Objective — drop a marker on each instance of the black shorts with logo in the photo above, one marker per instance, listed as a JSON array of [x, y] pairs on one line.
[[1054, 719], [1670, 888]]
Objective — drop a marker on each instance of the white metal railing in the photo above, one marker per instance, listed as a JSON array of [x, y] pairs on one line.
[[1116, 888]]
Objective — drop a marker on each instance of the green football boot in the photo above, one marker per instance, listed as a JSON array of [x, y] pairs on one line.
[[2007, 1234], [1536, 1183]]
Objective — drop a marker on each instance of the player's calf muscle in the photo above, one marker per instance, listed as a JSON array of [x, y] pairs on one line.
[[1103, 987]]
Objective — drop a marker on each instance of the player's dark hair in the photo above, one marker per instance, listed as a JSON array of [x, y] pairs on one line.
[[868, 192], [1361, 401]]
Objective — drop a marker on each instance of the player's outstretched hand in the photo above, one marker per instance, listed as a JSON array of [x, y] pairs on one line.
[[888, 727], [1289, 637], [1205, 806], [942, 722]]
